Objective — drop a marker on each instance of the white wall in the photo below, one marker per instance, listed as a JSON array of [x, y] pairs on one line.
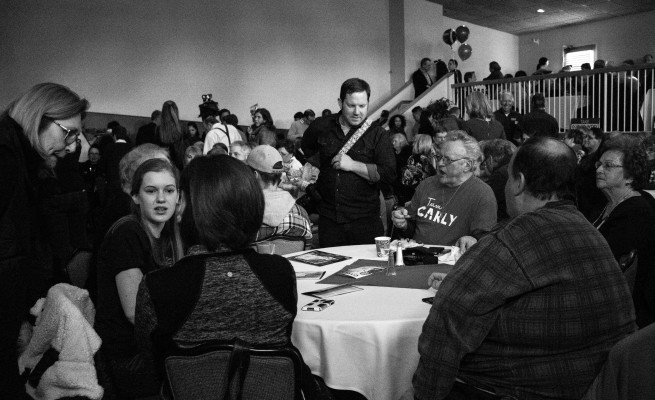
[[128, 57], [616, 39], [487, 45], [423, 29]]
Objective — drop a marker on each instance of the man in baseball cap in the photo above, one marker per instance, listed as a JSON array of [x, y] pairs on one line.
[[282, 216]]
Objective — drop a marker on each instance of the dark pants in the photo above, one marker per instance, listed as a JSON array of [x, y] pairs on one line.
[[361, 231], [13, 307], [132, 377]]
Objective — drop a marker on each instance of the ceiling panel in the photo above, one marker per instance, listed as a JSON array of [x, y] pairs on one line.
[[520, 16]]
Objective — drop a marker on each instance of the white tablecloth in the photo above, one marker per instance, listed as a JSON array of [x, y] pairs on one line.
[[368, 340]]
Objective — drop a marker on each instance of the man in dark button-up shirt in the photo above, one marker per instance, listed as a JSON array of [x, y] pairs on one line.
[[349, 184]]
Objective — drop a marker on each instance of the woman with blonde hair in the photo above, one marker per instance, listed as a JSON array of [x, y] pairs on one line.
[[481, 123], [41, 124], [421, 164]]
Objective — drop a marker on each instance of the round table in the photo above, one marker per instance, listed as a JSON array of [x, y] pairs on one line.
[[367, 341]]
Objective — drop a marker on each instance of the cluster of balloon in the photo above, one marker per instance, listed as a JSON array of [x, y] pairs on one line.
[[461, 34]]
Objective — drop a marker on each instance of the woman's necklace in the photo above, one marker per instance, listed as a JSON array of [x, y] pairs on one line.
[[610, 207]]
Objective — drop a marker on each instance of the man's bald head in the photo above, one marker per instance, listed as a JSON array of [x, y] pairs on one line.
[[548, 167]]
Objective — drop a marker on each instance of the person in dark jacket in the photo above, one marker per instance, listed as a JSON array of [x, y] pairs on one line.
[[495, 72], [43, 122], [538, 122], [146, 133], [421, 78]]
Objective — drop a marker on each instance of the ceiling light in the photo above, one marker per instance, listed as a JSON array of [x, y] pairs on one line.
[[540, 10]]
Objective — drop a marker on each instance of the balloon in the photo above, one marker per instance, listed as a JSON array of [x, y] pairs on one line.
[[449, 37], [464, 51], [462, 33]]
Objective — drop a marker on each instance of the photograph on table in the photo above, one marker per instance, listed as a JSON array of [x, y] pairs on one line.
[[318, 258]]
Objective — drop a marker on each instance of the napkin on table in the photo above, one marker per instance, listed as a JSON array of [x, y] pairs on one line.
[[451, 257]]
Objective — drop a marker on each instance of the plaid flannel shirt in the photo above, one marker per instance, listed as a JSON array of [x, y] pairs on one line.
[[531, 311], [296, 223]]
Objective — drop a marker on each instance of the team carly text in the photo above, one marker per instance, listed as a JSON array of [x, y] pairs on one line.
[[433, 213]]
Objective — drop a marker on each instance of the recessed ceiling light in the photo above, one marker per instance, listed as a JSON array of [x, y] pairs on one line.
[[540, 10]]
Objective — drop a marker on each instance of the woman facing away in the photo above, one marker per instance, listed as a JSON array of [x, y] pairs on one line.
[[542, 67], [41, 124], [169, 134], [134, 246], [481, 123], [222, 290], [628, 220], [420, 165], [494, 72]]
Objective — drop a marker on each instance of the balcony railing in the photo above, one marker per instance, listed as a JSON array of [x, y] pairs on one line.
[[619, 98]]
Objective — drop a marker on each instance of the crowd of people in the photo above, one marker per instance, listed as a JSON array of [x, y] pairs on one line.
[[547, 224]]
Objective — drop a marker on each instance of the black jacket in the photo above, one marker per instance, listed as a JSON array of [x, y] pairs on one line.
[[19, 233], [420, 83]]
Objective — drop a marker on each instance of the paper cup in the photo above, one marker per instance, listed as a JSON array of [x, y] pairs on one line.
[[266, 248], [382, 245]]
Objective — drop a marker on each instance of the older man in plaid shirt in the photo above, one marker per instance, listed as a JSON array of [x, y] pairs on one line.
[[282, 216], [532, 309]]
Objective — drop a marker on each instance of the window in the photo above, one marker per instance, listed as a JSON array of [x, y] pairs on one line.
[[576, 56]]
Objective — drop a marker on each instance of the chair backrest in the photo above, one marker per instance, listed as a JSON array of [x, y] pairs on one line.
[[628, 371], [77, 268], [233, 371], [285, 244]]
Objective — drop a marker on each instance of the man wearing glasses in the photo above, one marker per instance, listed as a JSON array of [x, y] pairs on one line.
[[454, 206]]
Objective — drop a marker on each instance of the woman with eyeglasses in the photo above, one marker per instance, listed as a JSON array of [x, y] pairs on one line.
[[41, 123], [628, 220]]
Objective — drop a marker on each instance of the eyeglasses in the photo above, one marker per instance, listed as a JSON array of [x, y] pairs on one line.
[[448, 161], [71, 134], [607, 165], [588, 137]]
